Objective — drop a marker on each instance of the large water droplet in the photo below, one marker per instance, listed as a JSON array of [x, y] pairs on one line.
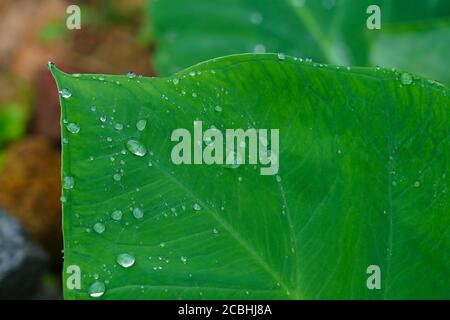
[[406, 78], [138, 213], [97, 289], [141, 124], [72, 127], [125, 260], [136, 148], [116, 215], [99, 227], [68, 182], [65, 93]]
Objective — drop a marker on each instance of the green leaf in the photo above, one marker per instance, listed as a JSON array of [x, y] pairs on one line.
[[330, 31], [363, 180], [13, 120]]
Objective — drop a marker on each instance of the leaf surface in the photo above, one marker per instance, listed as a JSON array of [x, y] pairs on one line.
[[363, 180]]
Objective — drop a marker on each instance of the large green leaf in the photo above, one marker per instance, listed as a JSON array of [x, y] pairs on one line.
[[363, 180], [332, 31]]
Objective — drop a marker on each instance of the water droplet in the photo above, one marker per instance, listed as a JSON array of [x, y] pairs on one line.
[[131, 74], [417, 184], [281, 56], [116, 215], [68, 182], [97, 289], [72, 127], [138, 213], [136, 148], [406, 78], [278, 178], [218, 108], [65, 93], [183, 259], [99, 227], [175, 81], [118, 126], [117, 177], [103, 118], [196, 207], [141, 124], [125, 260]]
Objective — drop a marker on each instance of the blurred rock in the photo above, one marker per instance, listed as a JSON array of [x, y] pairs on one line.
[[30, 188], [22, 263]]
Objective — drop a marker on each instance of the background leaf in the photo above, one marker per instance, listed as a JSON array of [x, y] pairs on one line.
[[330, 31], [363, 180]]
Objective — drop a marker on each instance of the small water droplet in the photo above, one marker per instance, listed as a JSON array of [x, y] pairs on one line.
[[417, 184], [131, 74], [183, 259], [196, 207], [99, 227], [138, 213], [281, 56], [218, 108], [136, 148], [125, 260], [103, 118], [406, 78], [278, 178], [118, 126], [68, 182], [117, 177], [116, 215], [65, 93], [175, 81], [97, 289], [141, 124], [72, 127]]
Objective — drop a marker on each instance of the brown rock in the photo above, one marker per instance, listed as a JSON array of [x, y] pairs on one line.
[[30, 188]]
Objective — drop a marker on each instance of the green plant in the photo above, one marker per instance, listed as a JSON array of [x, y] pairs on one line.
[[413, 34], [363, 180]]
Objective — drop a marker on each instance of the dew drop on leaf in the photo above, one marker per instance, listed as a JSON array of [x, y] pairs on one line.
[[406, 78], [136, 148], [68, 182], [138, 213], [281, 56], [125, 260], [116, 215], [65, 93], [72, 127], [141, 124], [183, 259], [196, 207], [97, 289], [99, 227]]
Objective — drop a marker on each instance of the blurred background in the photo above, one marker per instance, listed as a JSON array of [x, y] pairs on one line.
[[115, 38]]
